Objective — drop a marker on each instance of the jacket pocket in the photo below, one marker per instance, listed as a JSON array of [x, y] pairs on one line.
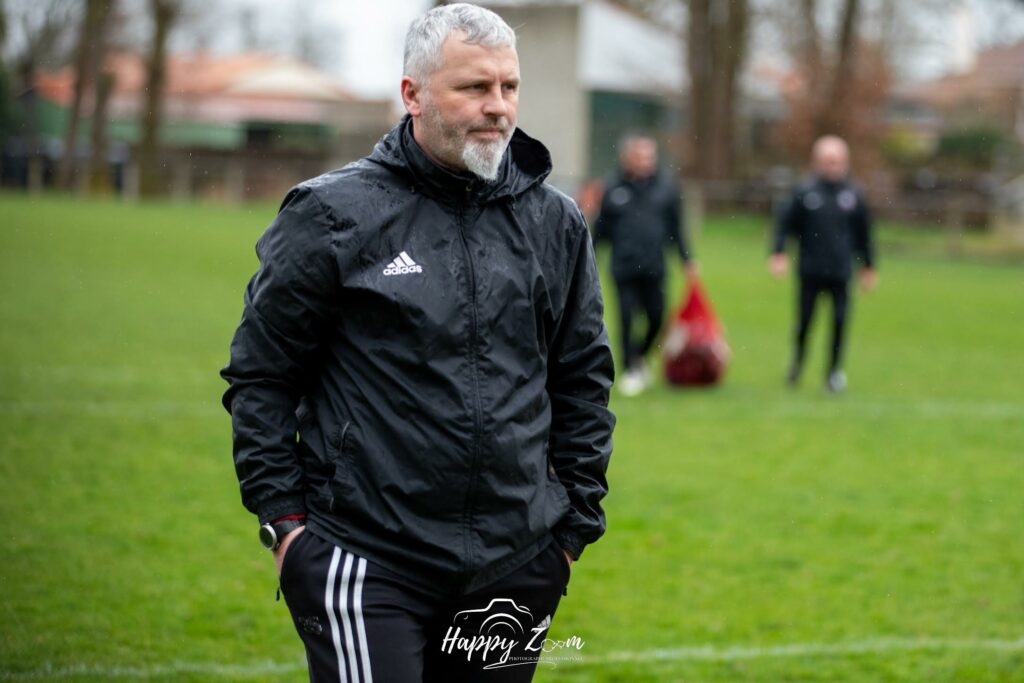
[[559, 497], [340, 455]]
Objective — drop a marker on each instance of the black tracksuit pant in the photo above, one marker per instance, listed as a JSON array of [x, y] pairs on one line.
[[636, 294], [810, 288], [362, 623]]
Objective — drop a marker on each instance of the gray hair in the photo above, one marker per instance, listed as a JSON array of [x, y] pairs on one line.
[[427, 34]]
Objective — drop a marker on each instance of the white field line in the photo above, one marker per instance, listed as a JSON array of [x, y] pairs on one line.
[[114, 409], [734, 653], [705, 653], [828, 408], [212, 669], [925, 410]]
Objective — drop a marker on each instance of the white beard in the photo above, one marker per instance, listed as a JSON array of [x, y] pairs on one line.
[[483, 159]]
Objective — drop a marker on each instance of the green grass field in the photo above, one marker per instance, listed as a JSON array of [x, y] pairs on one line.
[[755, 533]]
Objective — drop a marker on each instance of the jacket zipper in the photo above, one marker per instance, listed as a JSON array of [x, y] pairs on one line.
[[478, 417]]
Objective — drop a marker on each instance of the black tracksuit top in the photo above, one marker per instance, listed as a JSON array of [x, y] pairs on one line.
[[832, 224], [638, 217], [437, 345]]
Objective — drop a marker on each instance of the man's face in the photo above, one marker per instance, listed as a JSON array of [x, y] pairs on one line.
[[465, 115], [640, 157], [832, 160]]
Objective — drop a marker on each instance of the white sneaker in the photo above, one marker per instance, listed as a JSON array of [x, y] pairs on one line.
[[645, 375], [632, 383], [836, 382]]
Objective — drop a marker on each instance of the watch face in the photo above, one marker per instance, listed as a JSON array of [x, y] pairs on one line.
[[267, 537]]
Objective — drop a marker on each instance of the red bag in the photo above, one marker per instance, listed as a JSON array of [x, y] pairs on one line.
[[695, 349]]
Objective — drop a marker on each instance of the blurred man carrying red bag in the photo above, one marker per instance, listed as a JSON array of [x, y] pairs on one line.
[[695, 349]]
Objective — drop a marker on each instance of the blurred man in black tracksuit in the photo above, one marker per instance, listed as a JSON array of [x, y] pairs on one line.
[[830, 220], [640, 211]]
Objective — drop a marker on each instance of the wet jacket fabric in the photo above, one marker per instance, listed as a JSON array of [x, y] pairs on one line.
[[832, 224], [639, 217], [437, 344]]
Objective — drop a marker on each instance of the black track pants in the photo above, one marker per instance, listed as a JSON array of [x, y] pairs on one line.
[[810, 288], [362, 623], [647, 294]]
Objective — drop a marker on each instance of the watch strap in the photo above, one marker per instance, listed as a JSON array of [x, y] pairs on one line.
[[272, 534]]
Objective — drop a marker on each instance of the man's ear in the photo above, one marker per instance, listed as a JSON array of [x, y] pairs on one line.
[[411, 96]]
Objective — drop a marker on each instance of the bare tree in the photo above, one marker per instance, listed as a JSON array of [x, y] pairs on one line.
[[163, 14], [716, 53], [88, 56], [39, 41], [5, 81], [97, 179], [830, 116], [843, 75], [37, 32]]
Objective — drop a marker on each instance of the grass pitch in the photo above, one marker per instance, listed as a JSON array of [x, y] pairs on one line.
[[755, 533]]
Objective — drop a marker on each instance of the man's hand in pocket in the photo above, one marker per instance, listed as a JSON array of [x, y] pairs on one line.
[[283, 548]]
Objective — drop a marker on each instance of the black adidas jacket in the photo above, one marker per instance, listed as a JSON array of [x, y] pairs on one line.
[[438, 346], [639, 217], [832, 224]]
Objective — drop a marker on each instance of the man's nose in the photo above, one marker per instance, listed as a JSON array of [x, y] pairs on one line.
[[495, 104]]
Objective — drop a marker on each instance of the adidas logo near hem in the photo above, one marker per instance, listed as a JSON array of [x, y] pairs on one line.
[[403, 265]]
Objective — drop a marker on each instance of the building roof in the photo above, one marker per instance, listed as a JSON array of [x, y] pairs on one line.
[[223, 89]]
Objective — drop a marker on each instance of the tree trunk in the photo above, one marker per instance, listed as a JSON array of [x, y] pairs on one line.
[[811, 50], [163, 13], [98, 178], [88, 55], [699, 66], [717, 51], [834, 112]]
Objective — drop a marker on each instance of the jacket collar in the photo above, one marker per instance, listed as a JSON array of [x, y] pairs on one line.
[[621, 178], [526, 163]]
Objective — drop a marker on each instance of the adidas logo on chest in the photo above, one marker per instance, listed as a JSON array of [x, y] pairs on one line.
[[403, 265]]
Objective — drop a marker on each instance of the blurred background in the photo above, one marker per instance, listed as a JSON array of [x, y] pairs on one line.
[[756, 532], [239, 99]]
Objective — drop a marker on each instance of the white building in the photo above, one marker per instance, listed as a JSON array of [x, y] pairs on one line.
[[591, 71]]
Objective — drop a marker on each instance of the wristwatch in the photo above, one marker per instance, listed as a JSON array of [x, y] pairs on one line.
[[272, 534]]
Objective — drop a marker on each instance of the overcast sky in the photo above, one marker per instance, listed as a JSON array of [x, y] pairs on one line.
[[360, 41]]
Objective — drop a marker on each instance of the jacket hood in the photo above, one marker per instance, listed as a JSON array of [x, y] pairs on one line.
[[526, 163]]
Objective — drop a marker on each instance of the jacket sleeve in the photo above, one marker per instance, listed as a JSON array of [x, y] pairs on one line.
[[786, 219], [287, 304], [862, 233], [580, 375], [676, 222]]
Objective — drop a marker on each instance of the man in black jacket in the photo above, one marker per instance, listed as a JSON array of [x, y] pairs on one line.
[[831, 222], [428, 322], [641, 211]]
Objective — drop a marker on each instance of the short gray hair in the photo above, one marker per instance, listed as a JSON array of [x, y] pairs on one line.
[[427, 34]]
